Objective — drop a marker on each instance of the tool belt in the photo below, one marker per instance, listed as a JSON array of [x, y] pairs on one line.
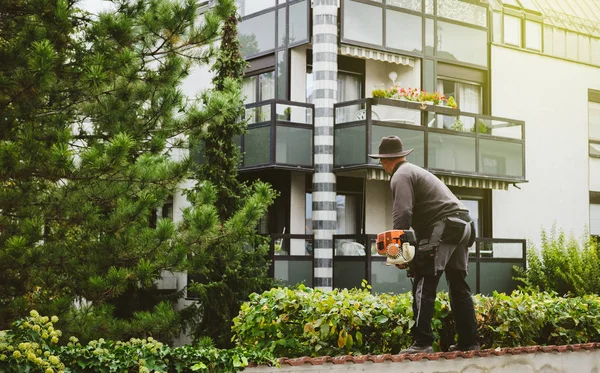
[[448, 230]]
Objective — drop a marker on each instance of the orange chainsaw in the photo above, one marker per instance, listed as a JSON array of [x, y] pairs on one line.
[[397, 245]]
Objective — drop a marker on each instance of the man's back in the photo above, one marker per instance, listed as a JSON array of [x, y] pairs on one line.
[[420, 198]]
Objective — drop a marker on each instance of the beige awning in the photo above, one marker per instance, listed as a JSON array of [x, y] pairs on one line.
[[373, 54], [458, 181]]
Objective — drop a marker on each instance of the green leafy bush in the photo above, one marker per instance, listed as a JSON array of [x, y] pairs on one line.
[[303, 321], [562, 265], [33, 345]]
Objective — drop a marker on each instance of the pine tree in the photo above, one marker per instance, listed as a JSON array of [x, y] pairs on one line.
[[92, 127], [235, 270]]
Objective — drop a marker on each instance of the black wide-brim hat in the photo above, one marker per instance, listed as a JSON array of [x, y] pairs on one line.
[[391, 147]]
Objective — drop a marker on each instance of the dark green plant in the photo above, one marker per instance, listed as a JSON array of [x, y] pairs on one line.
[[562, 265], [226, 272]]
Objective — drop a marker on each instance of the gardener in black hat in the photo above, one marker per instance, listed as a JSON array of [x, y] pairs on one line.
[[444, 231]]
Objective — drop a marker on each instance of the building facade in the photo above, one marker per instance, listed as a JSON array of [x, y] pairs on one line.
[[522, 150]]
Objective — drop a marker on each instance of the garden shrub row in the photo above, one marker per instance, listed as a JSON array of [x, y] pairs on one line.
[[33, 345], [303, 321]]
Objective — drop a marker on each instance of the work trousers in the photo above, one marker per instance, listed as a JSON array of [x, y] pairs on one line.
[[424, 291]]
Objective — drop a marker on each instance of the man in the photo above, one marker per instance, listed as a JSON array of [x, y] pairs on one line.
[[444, 231]]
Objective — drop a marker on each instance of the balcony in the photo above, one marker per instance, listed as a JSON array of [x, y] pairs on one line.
[[280, 135], [446, 141], [356, 258]]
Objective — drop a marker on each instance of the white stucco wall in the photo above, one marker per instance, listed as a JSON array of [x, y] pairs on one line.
[[551, 96], [377, 75]]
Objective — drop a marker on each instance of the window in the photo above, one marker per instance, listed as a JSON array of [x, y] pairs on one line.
[[247, 7], [461, 43], [256, 34], [533, 35], [479, 204], [594, 129], [403, 31], [512, 30], [355, 27], [463, 12], [259, 87], [468, 96]]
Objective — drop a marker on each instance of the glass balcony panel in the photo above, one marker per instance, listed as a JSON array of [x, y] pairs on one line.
[[258, 114], [394, 114], [257, 149], [500, 128], [497, 276], [294, 146], [461, 123], [294, 272], [500, 158], [411, 139], [389, 279], [451, 153], [349, 247], [292, 246], [295, 114], [349, 274], [350, 145], [351, 113], [513, 250]]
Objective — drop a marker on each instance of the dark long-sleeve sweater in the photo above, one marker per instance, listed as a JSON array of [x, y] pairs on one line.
[[420, 198]]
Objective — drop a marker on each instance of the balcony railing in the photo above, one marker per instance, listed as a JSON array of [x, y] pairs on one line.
[[491, 264], [446, 141], [280, 135]]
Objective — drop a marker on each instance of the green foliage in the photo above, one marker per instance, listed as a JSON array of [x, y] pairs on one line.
[[298, 322], [33, 345], [380, 93], [563, 266], [92, 123]]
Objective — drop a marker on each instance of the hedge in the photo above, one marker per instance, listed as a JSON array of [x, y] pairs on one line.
[[33, 345], [307, 322]]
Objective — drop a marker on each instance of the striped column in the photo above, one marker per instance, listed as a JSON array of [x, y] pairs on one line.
[[325, 40]]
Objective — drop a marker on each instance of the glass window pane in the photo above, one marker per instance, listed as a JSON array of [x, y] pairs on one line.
[[350, 113], [258, 114], [349, 87], [292, 246], [348, 209], [266, 87], [595, 57], [294, 272], [595, 149], [350, 145], [584, 48], [298, 23], [281, 25], [462, 11], [257, 149], [429, 37], [404, 31], [396, 115], [355, 27], [595, 219], [429, 75], [429, 6], [469, 97], [497, 31], [548, 40], [500, 128], [572, 46], [512, 30], [294, 146], [249, 89], [460, 43], [389, 279], [558, 44], [533, 35], [295, 114], [349, 274], [594, 120], [308, 214], [256, 34], [247, 7], [451, 152], [411, 139], [408, 4], [500, 158], [282, 74]]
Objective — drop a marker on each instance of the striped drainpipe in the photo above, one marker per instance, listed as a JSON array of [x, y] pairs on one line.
[[325, 39]]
